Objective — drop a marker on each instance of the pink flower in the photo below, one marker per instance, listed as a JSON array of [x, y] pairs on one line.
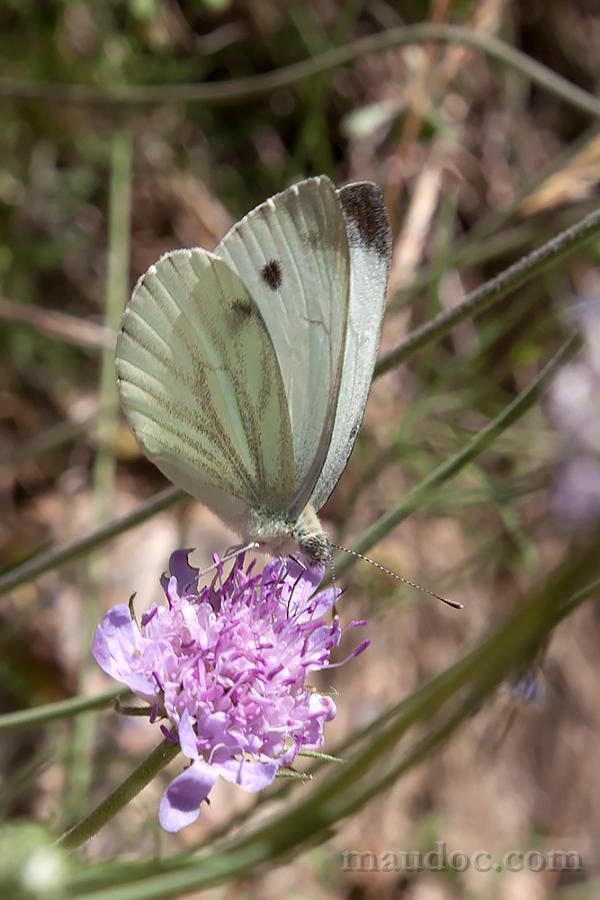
[[227, 665]]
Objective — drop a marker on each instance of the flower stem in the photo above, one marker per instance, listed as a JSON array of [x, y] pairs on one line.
[[495, 289], [120, 797], [61, 709], [79, 779], [52, 559]]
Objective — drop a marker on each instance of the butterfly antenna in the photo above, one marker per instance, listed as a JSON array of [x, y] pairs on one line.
[[412, 584], [333, 582]]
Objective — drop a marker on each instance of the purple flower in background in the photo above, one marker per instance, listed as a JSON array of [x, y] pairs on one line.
[[528, 686], [574, 406], [227, 665]]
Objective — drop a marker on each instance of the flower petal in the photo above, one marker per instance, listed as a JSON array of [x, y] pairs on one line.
[[188, 740], [180, 803], [302, 580], [319, 606], [116, 642], [186, 576], [251, 776]]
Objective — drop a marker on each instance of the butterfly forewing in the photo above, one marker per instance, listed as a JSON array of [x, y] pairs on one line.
[[201, 386], [370, 244], [292, 253]]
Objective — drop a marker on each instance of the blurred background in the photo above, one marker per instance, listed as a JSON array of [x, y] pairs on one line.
[[478, 166]]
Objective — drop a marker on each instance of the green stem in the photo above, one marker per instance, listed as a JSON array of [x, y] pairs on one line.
[[475, 250], [52, 559], [120, 797], [117, 289], [580, 597], [62, 709], [480, 442], [79, 779], [493, 290], [241, 89], [48, 440]]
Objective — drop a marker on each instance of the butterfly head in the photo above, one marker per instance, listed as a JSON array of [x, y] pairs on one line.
[[310, 537]]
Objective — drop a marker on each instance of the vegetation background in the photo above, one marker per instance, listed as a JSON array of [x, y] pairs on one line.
[[482, 156]]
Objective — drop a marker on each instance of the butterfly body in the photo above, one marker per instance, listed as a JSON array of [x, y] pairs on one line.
[[284, 537], [244, 373]]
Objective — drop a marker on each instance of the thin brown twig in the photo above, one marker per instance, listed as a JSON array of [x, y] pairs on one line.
[[51, 323]]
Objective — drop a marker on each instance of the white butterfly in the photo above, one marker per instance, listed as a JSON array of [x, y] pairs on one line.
[[244, 373]]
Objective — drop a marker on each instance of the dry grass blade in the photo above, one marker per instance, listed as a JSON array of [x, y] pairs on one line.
[[61, 326]]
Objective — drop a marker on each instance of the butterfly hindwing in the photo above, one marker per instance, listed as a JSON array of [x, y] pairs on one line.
[[201, 386]]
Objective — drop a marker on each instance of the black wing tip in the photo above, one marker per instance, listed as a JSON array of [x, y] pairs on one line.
[[364, 207]]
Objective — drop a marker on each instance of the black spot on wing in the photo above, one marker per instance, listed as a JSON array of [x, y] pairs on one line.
[[365, 211], [238, 315], [271, 274], [242, 309], [241, 312], [313, 239]]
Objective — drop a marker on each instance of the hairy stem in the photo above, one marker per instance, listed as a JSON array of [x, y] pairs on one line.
[[61, 709], [120, 797], [52, 559]]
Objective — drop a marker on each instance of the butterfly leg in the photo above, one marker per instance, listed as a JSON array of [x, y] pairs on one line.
[[299, 563], [236, 549], [303, 569], [230, 553]]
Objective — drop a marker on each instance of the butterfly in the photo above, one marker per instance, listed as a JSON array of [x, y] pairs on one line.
[[244, 373]]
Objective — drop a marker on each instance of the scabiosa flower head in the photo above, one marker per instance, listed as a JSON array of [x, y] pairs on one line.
[[227, 665]]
